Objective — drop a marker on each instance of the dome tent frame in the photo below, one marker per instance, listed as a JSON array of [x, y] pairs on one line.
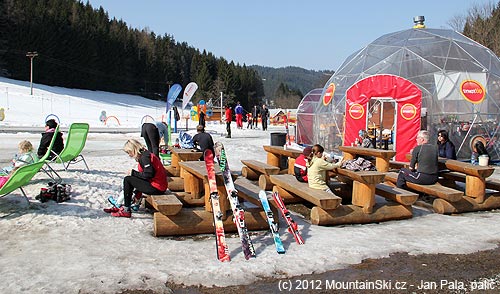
[[438, 62]]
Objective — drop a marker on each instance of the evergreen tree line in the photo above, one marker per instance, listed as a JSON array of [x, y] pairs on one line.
[[81, 47]]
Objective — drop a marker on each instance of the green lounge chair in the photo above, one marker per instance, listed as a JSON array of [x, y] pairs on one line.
[[21, 177], [71, 154]]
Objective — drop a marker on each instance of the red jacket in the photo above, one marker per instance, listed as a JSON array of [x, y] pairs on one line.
[[159, 179], [300, 168], [229, 115]]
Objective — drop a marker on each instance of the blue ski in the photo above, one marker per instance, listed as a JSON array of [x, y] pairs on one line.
[[272, 225]]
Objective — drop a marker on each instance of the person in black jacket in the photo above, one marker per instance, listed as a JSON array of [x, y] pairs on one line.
[[50, 127], [445, 146], [202, 140], [423, 165]]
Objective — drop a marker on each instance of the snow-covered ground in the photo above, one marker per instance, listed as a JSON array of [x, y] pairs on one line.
[[74, 247]]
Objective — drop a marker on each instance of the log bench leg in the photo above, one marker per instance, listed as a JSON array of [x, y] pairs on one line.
[[249, 173], [475, 187], [363, 195]]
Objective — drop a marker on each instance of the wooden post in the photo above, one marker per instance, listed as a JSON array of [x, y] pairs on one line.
[[363, 195], [475, 187], [382, 164], [291, 163], [273, 159]]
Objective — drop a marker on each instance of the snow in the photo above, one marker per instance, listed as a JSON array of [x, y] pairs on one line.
[[74, 247]]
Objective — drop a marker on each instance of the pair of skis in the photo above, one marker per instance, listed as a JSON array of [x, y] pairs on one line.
[[292, 225], [237, 209]]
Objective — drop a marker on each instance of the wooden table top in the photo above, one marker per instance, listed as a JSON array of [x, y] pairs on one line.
[[187, 154], [382, 153], [282, 151]]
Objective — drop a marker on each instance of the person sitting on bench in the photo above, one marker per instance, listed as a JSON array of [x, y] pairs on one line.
[[423, 165]]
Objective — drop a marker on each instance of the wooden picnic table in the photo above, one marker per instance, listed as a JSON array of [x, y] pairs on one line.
[[196, 183], [475, 176], [275, 153], [381, 156], [181, 155]]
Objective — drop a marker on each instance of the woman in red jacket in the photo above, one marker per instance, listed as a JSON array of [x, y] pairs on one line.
[[149, 178]]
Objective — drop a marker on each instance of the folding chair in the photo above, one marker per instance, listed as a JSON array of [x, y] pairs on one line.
[[20, 178], [71, 154]]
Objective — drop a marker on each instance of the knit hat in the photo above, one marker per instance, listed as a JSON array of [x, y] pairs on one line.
[[307, 151], [51, 123]]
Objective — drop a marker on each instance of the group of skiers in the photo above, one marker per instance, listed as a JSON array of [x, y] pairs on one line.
[[251, 117]]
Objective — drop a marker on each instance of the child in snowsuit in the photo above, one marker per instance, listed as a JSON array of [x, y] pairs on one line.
[[25, 156], [300, 168]]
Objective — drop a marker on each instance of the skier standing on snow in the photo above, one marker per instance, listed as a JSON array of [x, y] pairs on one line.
[[264, 116], [238, 110]]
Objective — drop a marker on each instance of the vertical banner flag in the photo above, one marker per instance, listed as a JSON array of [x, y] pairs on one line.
[[188, 93], [172, 95]]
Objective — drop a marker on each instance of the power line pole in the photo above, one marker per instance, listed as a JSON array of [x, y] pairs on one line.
[[31, 56]]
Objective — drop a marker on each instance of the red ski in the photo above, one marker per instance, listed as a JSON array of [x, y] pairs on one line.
[[220, 239], [292, 225]]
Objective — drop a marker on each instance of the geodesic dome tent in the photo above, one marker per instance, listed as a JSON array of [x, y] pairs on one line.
[[305, 116], [425, 79]]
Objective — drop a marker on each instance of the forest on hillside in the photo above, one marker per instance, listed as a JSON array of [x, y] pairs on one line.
[[79, 46]]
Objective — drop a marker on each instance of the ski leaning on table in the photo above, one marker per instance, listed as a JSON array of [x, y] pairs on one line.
[[220, 238], [292, 225], [272, 225], [238, 212]]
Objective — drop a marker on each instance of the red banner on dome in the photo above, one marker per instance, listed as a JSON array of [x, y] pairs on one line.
[[328, 97], [408, 99]]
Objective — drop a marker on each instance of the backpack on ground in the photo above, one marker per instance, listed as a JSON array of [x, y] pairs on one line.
[[54, 191]]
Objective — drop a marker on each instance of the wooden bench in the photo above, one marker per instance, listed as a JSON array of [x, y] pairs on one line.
[[317, 197], [167, 204], [363, 186], [492, 184], [382, 157], [250, 192], [257, 170], [396, 194], [436, 190], [475, 176]]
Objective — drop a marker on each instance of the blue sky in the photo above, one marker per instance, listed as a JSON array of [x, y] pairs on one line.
[[310, 34]]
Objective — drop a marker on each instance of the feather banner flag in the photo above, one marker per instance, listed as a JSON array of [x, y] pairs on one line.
[[172, 95], [188, 93]]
